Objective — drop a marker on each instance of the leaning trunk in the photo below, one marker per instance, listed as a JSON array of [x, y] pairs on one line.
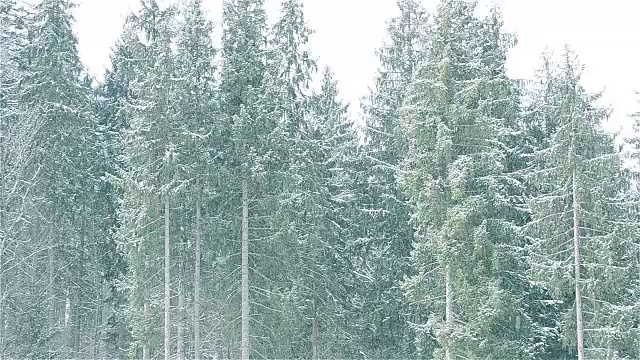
[[576, 267], [245, 347]]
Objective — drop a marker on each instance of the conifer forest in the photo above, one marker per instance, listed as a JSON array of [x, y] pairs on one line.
[[215, 198]]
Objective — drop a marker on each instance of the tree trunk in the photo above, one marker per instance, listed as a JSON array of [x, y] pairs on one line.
[[3, 237], [67, 336], [314, 333], [2, 244], [97, 321], [448, 311], [180, 347], [576, 267], [167, 284], [52, 301], [145, 315], [196, 300], [245, 346], [3, 234]]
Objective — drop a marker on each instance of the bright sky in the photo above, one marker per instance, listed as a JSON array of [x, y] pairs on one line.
[[605, 35]]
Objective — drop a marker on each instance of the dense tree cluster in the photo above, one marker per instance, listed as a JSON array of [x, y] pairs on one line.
[[213, 202]]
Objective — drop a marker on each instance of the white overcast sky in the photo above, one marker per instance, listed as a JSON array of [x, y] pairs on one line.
[[604, 33]]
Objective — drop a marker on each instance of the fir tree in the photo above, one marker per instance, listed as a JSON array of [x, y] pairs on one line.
[[246, 127], [582, 236], [200, 134], [457, 119], [149, 176], [52, 88], [385, 321]]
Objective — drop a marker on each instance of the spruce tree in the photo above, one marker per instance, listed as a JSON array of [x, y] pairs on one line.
[[200, 133], [583, 248], [456, 175], [246, 127], [384, 323], [68, 149], [290, 69], [150, 179]]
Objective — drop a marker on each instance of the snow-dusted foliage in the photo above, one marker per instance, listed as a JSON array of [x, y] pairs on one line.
[[203, 202], [583, 245]]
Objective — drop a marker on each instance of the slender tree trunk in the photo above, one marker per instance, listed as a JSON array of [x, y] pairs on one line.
[[448, 310], [576, 267], [3, 234], [180, 347], [167, 283], [2, 244], [314, 333], [245, 346], [67, 339], [97, 321], [145, 315], [3, 241], [196, 300], [52, 301], [76, 323]]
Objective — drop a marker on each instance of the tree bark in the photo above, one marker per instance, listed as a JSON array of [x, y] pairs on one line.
[[2, 244], [3, 240], [52, 301], [314, 333], [576, 267], [145, 315], [196, 300], [66, 330], [167, 282], [448, 311], [3, 234], [245, 346], [97, 321], [180, 347]]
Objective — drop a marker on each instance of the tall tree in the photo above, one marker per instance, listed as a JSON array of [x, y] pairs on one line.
[[17, 133], [385, 318], [582, 234], [68, 149], [457, 119], [331, 148], [294, 231], [150, 178], [195, 62], [242, 102]]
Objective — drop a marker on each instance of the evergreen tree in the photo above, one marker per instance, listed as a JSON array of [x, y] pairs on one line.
[[114, 94], [583, 244], [457, 119], [200, 134], [68, 149], [384, 323], [150, 179], [17, 170], [246, 128], [294, 186], [335, 144]]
